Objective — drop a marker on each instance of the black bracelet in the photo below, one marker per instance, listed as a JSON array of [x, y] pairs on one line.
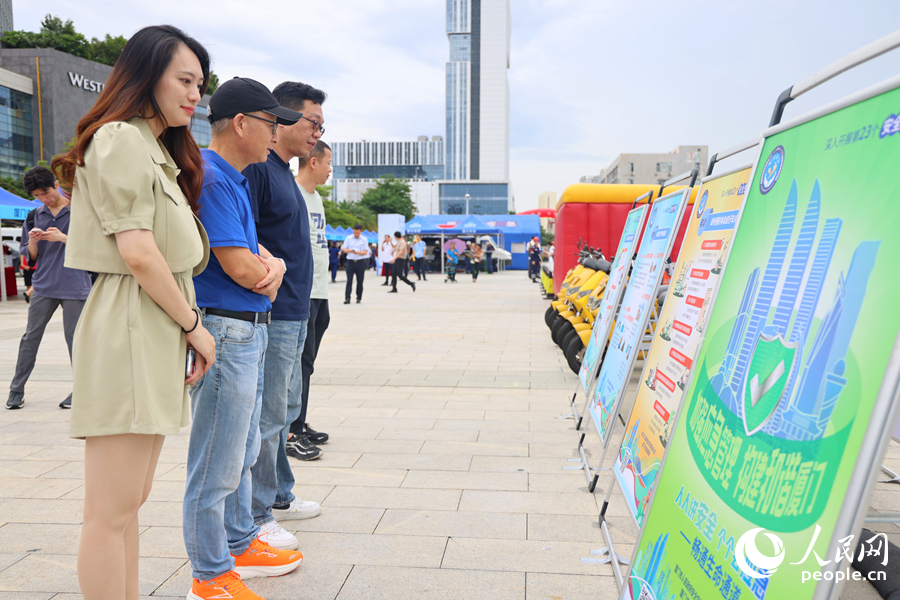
[[197, 322]]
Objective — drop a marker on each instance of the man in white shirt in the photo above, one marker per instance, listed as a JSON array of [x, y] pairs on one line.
[[356, 247], [314, 170]]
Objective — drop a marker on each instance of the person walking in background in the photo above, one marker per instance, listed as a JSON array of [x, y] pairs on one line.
[[399, 268], [489, 256], [373, 257], [135, 175], [534, 259], [54, 284], [286, 227], [477, 256], [419, 247], [467, 257], [452, 263], [386, 254], [313, 171], [235, 294], [334, 259], [357, 250]]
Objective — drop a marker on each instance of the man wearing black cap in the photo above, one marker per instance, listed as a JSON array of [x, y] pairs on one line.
[[234, 294], [282, 224]]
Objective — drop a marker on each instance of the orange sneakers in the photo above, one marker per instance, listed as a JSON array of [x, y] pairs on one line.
[[262, 560], [224, 587]]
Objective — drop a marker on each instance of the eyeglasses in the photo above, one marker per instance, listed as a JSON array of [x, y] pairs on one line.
[[274, 123], [316, 125]]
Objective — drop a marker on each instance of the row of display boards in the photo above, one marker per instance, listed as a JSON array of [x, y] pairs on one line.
[[770, 390]]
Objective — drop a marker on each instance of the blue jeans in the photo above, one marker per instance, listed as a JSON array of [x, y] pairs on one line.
[[224, 444], [281, 404]]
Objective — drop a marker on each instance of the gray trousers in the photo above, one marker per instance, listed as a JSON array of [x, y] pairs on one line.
[[40, 311]]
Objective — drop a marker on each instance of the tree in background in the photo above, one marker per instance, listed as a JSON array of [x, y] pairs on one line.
[[62, 35], [15, 186], [390, 196], [344, 214]]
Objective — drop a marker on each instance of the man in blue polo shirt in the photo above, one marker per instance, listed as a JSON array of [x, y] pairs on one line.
[[282, 224], [234, 294]]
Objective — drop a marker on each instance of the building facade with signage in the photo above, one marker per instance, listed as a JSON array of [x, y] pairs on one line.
[[43, 95]]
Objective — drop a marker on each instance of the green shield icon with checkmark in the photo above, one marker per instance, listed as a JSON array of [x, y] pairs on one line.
[[770, 367]]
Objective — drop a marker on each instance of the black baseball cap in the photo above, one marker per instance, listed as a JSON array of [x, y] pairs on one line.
[[245, 95]]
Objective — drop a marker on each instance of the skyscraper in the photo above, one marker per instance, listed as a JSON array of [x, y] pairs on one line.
[[477, 146]]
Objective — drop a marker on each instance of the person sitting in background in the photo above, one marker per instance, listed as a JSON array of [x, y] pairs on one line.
[[477, 256]]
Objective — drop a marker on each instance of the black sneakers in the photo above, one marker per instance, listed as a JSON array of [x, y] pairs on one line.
[[67, 403], [316, 437], [15, 400], [301, 448]]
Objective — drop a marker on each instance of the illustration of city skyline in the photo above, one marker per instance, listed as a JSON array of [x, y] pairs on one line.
[[813, 388]]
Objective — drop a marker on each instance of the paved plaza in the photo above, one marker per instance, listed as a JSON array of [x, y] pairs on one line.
[[444, 477]]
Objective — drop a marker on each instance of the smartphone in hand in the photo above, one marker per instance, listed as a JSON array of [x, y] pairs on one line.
[[190, 363]]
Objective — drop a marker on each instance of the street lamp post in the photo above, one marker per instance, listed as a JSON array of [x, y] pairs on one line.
[[468, 197]]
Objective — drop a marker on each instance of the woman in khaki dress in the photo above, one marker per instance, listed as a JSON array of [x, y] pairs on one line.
[[135, 173]]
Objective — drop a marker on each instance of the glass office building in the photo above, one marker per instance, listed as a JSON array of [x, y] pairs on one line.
[[200, 126], [477, 90], [16, 133], [474, 198]]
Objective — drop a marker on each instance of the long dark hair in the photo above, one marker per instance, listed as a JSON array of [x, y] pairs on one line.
[[129, 92]]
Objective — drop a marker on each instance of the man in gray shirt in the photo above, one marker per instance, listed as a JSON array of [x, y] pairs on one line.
[[54, 285]]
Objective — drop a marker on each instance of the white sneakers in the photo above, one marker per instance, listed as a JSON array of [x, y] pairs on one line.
[[275, 535], [299, 509]]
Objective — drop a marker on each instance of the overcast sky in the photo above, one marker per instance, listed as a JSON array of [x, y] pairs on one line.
[[589, 79]]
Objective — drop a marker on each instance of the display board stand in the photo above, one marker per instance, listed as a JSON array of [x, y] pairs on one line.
[[666, 213], [609, 305], [859, 423], [694, 228]]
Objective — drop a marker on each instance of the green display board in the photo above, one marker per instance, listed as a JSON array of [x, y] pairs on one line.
[[789, 405]]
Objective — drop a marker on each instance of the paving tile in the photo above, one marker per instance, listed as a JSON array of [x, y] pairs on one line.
[[336, 519], [17, 452], [383, 583], [28, 468], [353, 433], [57, 573], [160, 514], [453, 524], [371, 460], [507, 464], [327, 411], [546, 586], [521, 555], [402, 498], [383, 423], [22, 538], [26, 596], [163, 542], [475, 448], [568, 528], [74, 469], [568, 481], [468, 480], [480, 424], [380, 446], [528, 502], [437, 435], [7, 559], [15, 510], [384, 550], [20, 487], [343, 476], [330, 458]]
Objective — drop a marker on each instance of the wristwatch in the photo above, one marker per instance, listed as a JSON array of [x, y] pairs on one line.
[[283, 264]]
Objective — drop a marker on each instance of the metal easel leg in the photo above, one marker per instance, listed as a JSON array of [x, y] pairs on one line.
[[894, 478], [574, 413]]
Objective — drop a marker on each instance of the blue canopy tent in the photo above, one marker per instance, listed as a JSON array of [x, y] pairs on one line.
[[331, 235], [371, 236], [515, 230], [15, 208]]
